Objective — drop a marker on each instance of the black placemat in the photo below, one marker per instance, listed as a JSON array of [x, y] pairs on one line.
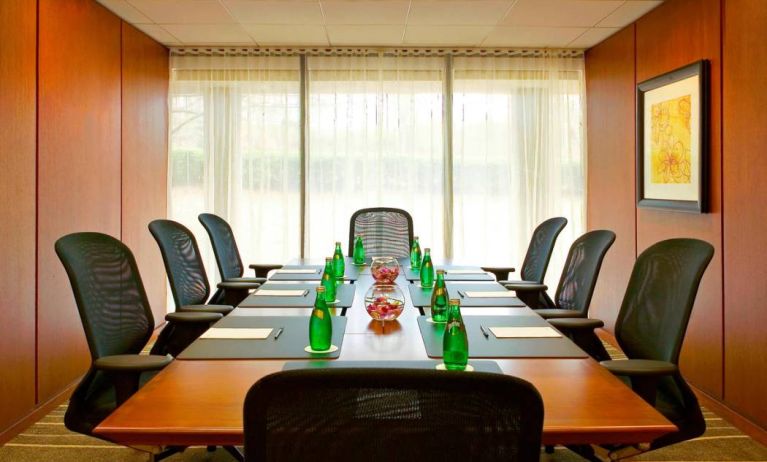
[[492, 347], [479, 365], [411, 275], [351, 273], [290, 344], [344, 295], [421, 297]]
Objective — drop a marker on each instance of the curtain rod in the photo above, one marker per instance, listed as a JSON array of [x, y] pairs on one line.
[[339, 51]]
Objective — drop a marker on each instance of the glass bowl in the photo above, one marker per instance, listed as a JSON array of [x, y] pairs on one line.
[[384, 302], [384, 269]]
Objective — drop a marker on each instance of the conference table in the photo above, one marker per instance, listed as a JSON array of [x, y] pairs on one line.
[[200, 401]]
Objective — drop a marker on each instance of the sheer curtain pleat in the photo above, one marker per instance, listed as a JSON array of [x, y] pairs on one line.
[[235, 151], [518, 155], [375, 139]]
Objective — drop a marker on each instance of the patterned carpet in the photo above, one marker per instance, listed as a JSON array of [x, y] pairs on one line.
[[48, 440]]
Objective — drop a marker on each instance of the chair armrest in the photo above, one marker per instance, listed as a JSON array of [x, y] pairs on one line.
[[223, 309], [262, 270], [576, 324], [247, 280], [500, 272], [640, 367], [196, 318], [132, 363], [238, 285], [524, 286]]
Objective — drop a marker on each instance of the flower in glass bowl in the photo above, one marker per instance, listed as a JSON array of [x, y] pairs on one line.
[[384, 269], [384, 302]]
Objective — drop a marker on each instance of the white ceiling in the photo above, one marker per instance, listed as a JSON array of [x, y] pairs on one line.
[[411, 23]]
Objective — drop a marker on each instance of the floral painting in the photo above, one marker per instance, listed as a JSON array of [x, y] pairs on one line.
[[671, 141]]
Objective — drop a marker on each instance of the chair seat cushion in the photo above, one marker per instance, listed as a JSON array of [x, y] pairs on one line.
[[550, 313]]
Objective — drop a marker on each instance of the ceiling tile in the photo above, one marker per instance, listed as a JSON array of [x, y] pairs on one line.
[[532, 36], [209, 34], [559, 13], [158, 33], [367, 35], [183, 11], [593, 36], [270, 34], [365, 12], [465, 13], [126, 11], [275, 12], [629, 12], [464, 36]]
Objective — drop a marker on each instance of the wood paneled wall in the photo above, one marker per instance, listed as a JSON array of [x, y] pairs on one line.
[[610, 79], [78, 167], [17, 208], [144, 155], [745, 240], [724, 349], [83, 149]]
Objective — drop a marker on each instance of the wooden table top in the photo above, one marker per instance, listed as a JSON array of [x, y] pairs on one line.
[[200, 402]]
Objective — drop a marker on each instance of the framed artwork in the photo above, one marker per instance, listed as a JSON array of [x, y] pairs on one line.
[[672, 140]]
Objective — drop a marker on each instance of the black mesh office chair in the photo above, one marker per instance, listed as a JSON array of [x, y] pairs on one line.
[[650, 329], [186, 272], [576, 285], [227, 254], [386, 232], [118, 323], [391, 414], [537, 257]]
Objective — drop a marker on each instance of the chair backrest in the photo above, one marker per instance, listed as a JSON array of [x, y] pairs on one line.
[[385, 231], [224, 246], [382, 414], [183, 262], [581, 270], [656, 309], [540, 249], [110, 296]]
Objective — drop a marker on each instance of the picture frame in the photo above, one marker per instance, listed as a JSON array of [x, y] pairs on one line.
[[672, 140]]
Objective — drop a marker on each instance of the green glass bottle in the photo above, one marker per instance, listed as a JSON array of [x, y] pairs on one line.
[[415, 255], [439, 299], [427, 269], [359, 251], [329, 281], [320, 324], [339, 266], [455, 343]]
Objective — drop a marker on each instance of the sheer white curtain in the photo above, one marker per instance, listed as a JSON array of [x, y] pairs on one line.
[[235, 151], [375, 138], [519, 155]]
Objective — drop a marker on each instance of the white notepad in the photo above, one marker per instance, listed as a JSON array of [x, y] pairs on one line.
[[298, 271], [281, 293], [230, 333], [464, 271], [488, 294], [525, 332]]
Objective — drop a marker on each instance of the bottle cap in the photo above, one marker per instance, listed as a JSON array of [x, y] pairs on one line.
[[440, 271], [427, 249], [338, 242], [328, 258], [454, 301], [415, 238], [320, 289]]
